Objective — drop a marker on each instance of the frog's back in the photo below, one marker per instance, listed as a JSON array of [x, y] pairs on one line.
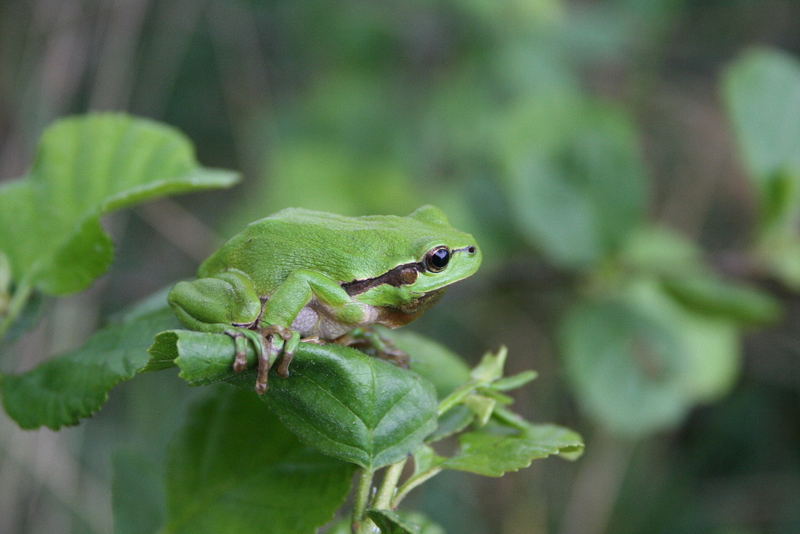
[[344, 248]]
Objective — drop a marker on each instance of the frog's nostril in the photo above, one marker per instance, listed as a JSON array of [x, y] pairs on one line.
[[471, 250]]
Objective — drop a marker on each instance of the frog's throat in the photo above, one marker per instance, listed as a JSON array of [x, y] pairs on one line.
[[402, 315]]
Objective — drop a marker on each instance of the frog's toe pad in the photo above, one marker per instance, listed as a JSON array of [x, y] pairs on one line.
[[283, 366]]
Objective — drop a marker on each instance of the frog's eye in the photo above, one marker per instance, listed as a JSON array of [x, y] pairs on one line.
[[436, 260]]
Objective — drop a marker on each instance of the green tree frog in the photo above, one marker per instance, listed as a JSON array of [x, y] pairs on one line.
[[301, 274]]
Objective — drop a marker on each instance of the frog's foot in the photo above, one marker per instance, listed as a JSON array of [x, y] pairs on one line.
[[240, 339], [285, 341], [370, 342], [241, 336], [398, 357], [264, 363]]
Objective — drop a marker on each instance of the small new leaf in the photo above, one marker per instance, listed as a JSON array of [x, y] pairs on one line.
[[514, 381], [493, 454], [481, 406], [490, 367]]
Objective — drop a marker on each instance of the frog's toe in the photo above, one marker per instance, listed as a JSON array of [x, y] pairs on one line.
[[283, 367], [240, 357], [289, 348], [264, 363]]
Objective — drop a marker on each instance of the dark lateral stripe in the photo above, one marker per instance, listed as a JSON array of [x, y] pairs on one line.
[[400, 275]]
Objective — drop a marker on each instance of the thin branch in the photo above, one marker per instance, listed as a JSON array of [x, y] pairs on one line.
[[412, 483], [383, 501], [363, 492]]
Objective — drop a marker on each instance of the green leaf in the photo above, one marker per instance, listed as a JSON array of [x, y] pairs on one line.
[[574, 177], [356, 408], [640, 361], [709, 295], [488, 370], [452, 421], [624, 367], [684, 275], [76, 384], [344, 403], [514, 381], [660, 251], [762, 93], [235, 468], [86, 167], [493, 454], [138, 494], [481, 406], [202, 358], [710, 357], [490, 367]]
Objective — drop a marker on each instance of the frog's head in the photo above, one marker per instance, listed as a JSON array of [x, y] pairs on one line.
[[434, 256]]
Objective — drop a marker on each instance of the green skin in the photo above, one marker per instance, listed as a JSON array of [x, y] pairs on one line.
[[307, 274]]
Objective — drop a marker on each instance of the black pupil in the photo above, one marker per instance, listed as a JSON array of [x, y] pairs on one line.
[[439, 258]]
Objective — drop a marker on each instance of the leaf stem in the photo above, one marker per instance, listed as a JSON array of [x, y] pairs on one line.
[[383, 499], [15, 306], [362, 496], [510, 418], [412, 483]]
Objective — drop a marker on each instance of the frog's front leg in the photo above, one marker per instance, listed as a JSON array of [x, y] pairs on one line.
[[225, 303], [293, 295]]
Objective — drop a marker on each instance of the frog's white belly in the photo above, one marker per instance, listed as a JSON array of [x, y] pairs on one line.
[[316, 321]]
